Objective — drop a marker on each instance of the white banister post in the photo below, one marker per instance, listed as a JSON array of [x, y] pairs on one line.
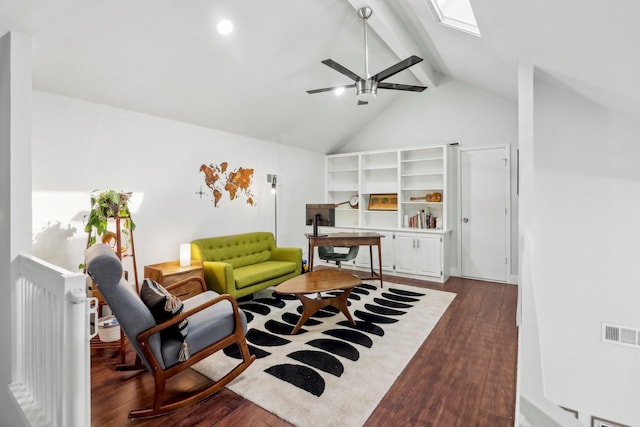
[[77, 406]]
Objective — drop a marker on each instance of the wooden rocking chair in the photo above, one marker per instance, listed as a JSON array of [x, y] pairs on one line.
[[215, 322]]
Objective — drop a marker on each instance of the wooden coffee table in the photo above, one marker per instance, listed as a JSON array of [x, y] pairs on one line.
[[315, 282]]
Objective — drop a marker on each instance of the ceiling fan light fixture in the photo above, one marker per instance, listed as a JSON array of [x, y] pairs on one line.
[[367, 90]]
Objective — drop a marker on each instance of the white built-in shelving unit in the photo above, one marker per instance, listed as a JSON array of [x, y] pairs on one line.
[[405, 176]]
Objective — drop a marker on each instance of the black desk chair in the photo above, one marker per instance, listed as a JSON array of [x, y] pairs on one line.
[[328, 253]]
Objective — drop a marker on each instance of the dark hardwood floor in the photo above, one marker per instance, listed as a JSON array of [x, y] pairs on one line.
[[464, 374]]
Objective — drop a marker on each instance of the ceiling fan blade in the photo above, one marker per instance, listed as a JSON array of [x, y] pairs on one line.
[[395, 69], [329, 89], [398, 86], [341, 69]]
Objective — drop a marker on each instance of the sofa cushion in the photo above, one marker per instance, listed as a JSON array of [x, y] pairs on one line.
[[238, 250], [245, 257], [261, 272]]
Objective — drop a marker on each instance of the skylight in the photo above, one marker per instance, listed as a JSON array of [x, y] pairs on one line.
[[456, 14]]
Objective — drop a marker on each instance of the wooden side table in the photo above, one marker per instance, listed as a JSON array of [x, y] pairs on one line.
[[170, 272]]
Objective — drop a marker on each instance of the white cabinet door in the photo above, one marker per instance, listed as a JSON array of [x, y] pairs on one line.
[[419, 254], [406, 253], [386, 243], [429, 255], [388, 254], [362, 260]]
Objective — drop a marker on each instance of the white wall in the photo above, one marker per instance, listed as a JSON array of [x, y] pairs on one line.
[[80, 146], [452, 112], [15, 189], [586, 256]]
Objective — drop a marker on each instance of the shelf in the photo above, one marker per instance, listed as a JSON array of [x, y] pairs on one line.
[[375, 212], [426, 159], [343, 190], [424, 230], [421, 174], [342, 170], [375, 168], [418, 202], [424, 154]]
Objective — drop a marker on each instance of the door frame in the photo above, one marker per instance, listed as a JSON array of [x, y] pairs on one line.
[[507, 195]]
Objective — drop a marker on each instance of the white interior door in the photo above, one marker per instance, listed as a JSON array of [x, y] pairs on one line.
[[484, 214]]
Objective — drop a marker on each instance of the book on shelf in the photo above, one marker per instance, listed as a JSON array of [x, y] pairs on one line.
[[424, 220]]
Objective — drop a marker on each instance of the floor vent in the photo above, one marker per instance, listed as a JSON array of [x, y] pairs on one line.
[[620, 335]]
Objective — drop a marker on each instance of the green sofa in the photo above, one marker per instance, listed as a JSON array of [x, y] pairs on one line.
[[242, 264]]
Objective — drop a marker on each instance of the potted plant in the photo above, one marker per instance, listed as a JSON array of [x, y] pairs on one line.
[[104, 205]]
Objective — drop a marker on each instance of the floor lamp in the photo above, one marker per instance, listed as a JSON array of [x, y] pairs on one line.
[[273, 179]]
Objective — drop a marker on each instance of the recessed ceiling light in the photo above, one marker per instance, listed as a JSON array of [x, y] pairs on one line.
[[224, 27], [339, 91]]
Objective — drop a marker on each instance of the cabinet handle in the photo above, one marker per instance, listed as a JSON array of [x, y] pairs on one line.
[[465, 219]]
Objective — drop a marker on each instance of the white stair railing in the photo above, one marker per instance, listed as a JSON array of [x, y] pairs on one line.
[[51, 354]]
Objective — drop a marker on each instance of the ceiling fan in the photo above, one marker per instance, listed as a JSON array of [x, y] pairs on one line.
[[367, 87]]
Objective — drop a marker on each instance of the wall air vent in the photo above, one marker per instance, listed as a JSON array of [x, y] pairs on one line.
[[623, 335]]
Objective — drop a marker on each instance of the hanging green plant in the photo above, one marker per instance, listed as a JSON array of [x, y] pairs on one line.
[[104, 205]]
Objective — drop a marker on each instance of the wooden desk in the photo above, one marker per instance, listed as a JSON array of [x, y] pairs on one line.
[[347, 240]]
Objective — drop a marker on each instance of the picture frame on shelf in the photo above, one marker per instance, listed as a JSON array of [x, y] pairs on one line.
[[383, 202], [601, 422]]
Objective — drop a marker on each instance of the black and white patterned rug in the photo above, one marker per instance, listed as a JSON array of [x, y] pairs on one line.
[[331, 373]]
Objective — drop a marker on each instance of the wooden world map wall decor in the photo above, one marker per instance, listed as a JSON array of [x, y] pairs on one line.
[[236, 183]]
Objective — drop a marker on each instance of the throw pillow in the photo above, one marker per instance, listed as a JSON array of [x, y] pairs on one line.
[[164, 306]]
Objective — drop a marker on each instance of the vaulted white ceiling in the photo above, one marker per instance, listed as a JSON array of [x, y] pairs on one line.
[[164, 57]]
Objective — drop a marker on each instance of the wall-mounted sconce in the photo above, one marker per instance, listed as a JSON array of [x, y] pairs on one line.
[[273, 180], [185, 254]]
